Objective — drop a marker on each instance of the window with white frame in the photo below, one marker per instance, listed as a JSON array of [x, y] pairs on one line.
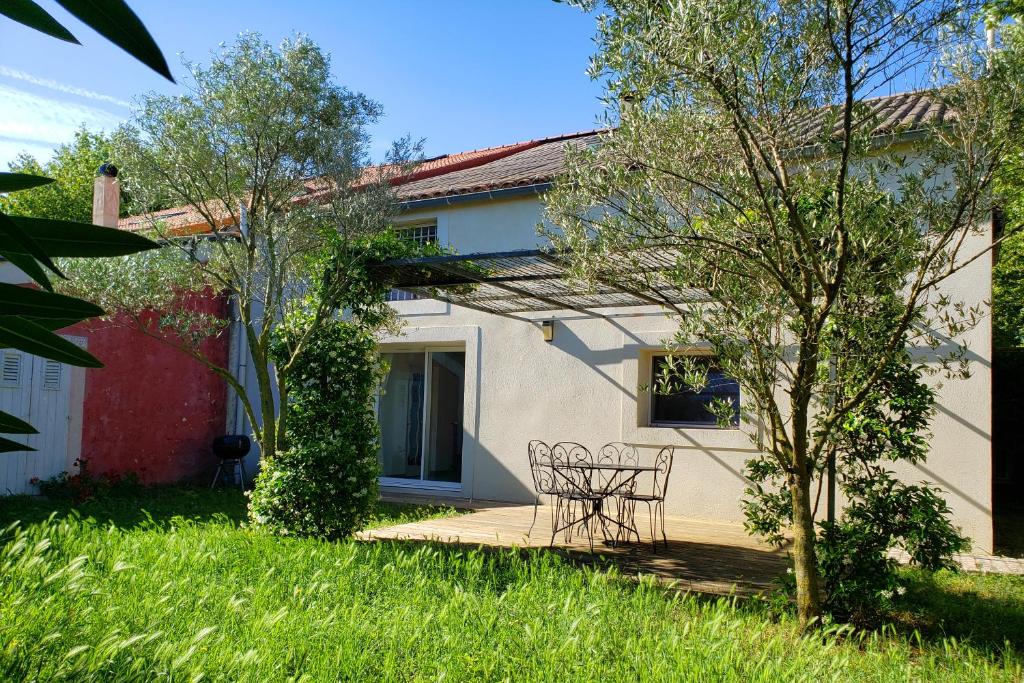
[[681, 406], [419, 234]]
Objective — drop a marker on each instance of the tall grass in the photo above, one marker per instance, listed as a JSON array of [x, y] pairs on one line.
[[190, 600]]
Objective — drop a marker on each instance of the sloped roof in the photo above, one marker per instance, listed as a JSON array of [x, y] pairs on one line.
[[540, 162], [892, 114], [537, 162]]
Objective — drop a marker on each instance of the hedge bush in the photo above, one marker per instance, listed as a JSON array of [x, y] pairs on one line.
[[324, 483]]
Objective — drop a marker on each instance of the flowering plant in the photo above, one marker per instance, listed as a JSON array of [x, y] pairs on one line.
[[323, 482]]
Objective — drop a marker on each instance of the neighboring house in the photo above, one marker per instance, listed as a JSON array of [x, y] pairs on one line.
[[150, 410]]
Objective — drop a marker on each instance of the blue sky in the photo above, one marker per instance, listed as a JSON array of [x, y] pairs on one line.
[[461, 73]]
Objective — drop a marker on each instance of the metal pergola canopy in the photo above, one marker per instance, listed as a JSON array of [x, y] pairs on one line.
[[535, 280]]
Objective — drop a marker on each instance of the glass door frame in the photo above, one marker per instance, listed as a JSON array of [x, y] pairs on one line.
[[421, 483]]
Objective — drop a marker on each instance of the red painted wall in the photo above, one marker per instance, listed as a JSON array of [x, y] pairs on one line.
[[152, 409]]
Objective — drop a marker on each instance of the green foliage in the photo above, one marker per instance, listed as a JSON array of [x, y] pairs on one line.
[[324, 480], [164, 506], [804, 246], [860, 575], [72, 169], [268, 154], [1008, 292], [1008, 273], [324, 483], [112, 19], [85, 485], [190, 596], [881, 516]]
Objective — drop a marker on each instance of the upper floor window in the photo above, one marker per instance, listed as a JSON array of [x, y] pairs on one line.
[[686, 407], [420, 234]]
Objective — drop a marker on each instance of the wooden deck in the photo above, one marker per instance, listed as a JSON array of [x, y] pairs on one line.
[[703, 556]]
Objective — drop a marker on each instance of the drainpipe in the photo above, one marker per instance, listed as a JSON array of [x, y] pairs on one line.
[[240, 342]]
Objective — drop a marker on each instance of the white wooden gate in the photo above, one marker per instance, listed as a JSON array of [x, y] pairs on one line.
[[39, 391]]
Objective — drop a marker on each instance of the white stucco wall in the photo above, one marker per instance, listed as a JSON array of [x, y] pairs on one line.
[[582, 387]]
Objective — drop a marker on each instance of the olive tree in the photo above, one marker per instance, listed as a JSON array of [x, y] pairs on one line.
[[267, 157], [745, 150]]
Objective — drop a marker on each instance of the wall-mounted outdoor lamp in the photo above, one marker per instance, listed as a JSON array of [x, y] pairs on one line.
[[547, 328]]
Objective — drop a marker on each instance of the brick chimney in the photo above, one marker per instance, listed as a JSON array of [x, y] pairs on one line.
[[106, 196]]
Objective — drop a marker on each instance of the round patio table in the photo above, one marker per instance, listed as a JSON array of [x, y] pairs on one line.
[[581, 488]]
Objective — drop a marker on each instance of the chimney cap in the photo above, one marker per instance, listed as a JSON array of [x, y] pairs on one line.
[[107, 169]]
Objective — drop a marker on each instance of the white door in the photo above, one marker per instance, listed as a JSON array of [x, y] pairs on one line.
[[38, 391]]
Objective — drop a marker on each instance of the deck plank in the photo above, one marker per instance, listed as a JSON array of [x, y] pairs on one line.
[[703, 556]]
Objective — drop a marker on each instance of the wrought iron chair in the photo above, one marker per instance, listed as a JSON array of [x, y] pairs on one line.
[[655, 500], [618, 453], [577, 492], [545, 481]]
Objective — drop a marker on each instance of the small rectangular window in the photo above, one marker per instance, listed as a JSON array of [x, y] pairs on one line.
[[686, 407], [420, 234], [11, 376]]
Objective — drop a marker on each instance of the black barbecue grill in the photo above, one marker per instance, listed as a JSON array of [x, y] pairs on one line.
[[231, 449]]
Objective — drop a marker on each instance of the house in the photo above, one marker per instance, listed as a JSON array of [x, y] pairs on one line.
[[500, 382], [468, 389]]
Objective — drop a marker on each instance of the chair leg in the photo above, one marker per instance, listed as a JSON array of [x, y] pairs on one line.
[[556, 519], [588, 524], [216, 475], [650, 515], [536, 504], [664, 538]]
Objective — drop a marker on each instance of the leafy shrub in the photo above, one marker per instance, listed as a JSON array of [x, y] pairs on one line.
[[883, 515], [324, 483], [860, 573], [85, 486]]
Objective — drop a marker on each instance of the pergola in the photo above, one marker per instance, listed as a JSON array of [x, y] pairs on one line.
[[514, 283]]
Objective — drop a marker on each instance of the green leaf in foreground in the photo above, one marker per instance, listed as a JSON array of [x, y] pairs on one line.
[[9, 424], [116, 22], [32, 15], [15, 243], [70, 239], [8, 446], [33, 338], [13, 182], [34, 303]]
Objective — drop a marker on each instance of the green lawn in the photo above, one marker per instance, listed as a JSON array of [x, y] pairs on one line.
[[184, 592]]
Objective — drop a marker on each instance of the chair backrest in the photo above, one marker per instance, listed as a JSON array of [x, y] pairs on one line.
[[663, 465], [572, 453], [542, 467], [618, 453]]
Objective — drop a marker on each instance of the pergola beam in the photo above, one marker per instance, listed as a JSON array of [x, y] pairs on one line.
[[516, 272]]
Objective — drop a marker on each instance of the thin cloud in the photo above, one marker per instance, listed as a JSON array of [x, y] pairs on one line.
[[60, 87], [34, 121]]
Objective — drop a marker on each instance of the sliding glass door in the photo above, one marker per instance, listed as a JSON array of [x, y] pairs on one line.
[[420, 414]]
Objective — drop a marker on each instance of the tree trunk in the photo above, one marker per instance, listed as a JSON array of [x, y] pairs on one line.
[[268, 415], [805, 559]]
